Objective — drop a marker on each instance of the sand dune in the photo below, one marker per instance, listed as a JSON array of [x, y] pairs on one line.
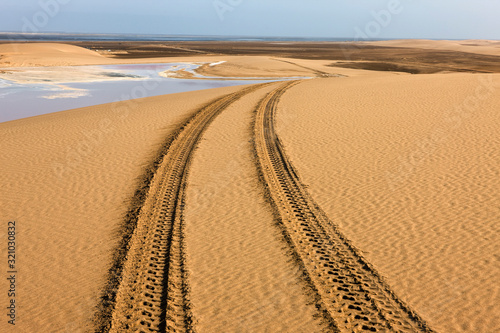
[[381, 187], [408, 168], [255, 66], [48, 54]]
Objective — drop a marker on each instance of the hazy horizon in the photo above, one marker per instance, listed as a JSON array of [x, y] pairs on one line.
[[221, 36]]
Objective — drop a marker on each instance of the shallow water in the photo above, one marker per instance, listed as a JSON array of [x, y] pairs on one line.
[[27, 92]]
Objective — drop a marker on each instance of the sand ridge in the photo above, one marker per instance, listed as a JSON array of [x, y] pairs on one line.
[[48, 54]]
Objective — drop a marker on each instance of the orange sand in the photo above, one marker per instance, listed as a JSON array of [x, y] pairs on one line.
[[408, 167]]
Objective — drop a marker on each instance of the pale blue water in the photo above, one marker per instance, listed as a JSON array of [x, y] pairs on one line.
[[132, 37], [129, 81]]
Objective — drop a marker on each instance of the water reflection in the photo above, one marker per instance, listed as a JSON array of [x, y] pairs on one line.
[[26, 92]]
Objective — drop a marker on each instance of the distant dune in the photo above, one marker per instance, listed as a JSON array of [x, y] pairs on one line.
[[47, 54]]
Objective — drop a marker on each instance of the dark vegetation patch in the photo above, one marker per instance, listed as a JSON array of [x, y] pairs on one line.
[[381, 66], [411, 60], [115, 74]]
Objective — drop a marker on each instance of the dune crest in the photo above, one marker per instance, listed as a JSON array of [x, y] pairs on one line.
[[48, 54]]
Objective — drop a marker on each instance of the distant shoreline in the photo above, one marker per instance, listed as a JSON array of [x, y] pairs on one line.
[[18, 36]]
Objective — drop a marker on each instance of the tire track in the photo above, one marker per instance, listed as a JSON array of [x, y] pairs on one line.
[[152, 295], [351, 293], [317, 72]]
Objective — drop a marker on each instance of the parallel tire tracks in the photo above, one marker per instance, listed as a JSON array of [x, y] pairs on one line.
[[153, 293], [351, 293]]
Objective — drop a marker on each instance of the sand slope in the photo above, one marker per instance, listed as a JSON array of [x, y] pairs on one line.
[[255, 66], [48, 54], [408, 167], [241, 277], [66, 178]]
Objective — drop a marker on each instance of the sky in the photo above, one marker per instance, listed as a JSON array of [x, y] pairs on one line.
[[360, 19]]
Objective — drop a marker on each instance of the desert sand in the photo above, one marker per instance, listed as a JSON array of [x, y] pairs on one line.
[[489, 47], [242, 277], [354, 200], [48, 54], [407, 167], [68, 184]]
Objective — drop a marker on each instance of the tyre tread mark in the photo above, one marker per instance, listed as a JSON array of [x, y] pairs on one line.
[[153, 293], [351, 294]]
